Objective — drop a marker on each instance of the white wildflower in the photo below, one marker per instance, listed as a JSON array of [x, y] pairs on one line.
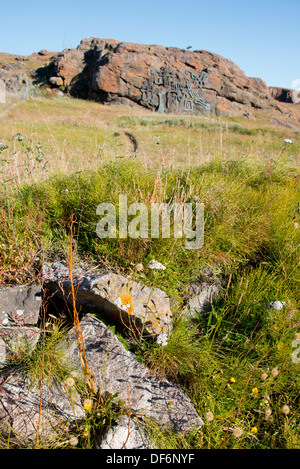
[[209, 416], [277, 304], [73, 441], [287, 140], [162, 339], [237, 432], [70, 382], [156, 265], [286, 410]]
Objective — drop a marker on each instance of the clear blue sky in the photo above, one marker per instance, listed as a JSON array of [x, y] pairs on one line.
[[261, 37]]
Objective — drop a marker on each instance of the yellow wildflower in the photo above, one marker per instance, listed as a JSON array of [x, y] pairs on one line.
[[232, 380], [87, 404], [254, 391], [254, 430]]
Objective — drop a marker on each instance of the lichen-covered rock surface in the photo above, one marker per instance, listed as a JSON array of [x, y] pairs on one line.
[[163, 79], [114, 297]]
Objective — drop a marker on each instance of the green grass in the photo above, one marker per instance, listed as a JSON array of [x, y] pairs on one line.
[[248, 180]]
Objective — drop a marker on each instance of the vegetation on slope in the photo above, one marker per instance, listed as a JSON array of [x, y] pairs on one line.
[[61, 158]]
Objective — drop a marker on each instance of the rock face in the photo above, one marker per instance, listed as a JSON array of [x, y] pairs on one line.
[[114, 297], [117, 370], [164, 79]]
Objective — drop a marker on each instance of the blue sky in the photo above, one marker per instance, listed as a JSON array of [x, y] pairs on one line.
[[261, 37]]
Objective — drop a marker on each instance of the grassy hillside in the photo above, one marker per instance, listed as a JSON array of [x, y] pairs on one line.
[[62, 157]]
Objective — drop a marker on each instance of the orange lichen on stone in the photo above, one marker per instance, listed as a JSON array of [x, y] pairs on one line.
[[127, 301]]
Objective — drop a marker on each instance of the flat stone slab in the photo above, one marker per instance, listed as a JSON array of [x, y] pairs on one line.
[[20, 306], [116, 370], [114, 297]]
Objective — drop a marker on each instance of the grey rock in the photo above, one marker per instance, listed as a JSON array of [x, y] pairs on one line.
[[16, 340], [26, 410], [202, 298], [14, 78], [116, 370], [114, 297], [127, 435], [20, 306]]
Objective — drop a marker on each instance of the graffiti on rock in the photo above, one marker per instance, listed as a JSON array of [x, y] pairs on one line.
[[174, 91]]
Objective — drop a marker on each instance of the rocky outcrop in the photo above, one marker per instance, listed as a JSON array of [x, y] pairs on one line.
[[28, 410], [165, 79], [285, 95], [19, 75]]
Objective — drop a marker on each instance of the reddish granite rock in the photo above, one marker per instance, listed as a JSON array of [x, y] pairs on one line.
[[165, 79]]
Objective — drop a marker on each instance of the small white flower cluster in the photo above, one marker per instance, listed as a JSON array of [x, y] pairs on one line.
[[277, 304], [156, 265], [287, 140], [162, 339]]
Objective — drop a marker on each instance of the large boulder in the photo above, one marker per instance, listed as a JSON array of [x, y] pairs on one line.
[[165, 79]]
